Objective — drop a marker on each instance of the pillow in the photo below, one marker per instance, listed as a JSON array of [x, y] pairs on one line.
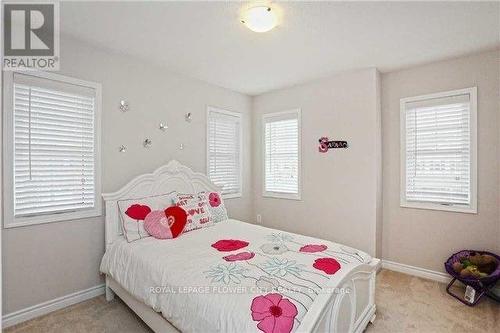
[[196, 207], [133, 212], [216, 206], [165, 224]]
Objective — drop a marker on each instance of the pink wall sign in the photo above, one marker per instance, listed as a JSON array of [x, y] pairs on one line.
[[325, 144]]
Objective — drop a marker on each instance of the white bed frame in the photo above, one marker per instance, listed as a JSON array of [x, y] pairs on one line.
[[344, 312]]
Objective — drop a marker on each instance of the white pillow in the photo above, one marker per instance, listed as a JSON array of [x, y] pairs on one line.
[[134, 211]]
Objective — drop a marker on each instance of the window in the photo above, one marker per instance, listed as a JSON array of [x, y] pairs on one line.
[[51, 148], [438, 151], [224, 151], [282, 155]]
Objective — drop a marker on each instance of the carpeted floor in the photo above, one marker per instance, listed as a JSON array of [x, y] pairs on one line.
[[404, 304]]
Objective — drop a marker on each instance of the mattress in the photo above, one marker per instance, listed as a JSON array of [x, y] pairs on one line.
[[232, 277]]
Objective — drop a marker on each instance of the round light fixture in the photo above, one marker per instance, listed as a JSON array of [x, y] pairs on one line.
[[260, 19]]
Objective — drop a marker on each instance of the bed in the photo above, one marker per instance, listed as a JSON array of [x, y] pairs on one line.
[[234, 276]]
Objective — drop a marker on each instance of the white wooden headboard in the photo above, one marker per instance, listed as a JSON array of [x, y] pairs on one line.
[[170, 177]]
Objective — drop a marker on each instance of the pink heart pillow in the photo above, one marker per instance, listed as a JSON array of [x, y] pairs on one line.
[[166, 224]]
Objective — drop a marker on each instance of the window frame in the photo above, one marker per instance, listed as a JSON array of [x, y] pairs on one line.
[[472, 208], [281, 195], [238, 115], [10, 221]]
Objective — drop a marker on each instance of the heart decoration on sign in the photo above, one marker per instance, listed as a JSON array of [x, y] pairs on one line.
[[166, 224]]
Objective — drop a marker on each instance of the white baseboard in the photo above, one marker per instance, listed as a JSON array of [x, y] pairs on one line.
[[425, 273], [31, 312], [416, 271]]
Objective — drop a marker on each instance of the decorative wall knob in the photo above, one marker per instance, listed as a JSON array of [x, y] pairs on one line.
[[162, 126], [124, 106]]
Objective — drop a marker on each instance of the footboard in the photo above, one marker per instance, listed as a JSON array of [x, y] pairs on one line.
[[351, 308]]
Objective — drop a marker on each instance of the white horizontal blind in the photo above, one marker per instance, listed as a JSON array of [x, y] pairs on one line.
[[54, 147], [438, 150], [224, 149], [282, 153]]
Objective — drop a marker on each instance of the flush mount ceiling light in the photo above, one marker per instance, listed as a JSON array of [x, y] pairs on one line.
[[260, 18]]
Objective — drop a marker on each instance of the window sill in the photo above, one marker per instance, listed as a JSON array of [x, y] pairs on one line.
[[278, 195], [14, 222], [438, 207]]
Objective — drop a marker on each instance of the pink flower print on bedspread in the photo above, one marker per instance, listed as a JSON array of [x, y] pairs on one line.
[[274, 313], [328, 265], [227, 245], [311, 248], [239, 256]]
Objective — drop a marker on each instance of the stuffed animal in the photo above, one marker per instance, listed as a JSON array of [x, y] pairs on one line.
[[486, 263], [475, 265]]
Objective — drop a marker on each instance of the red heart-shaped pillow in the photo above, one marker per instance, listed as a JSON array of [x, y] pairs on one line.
[[166, 224], [177, 219]]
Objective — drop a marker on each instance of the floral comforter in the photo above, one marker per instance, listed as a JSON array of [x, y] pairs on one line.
[[231, 277]]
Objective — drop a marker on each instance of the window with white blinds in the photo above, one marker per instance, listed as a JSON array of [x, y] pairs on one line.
[[282, 154], [439, 151], [224, 151], [54, 150]]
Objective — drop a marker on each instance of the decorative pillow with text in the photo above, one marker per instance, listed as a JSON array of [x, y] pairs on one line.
[[196, 207]]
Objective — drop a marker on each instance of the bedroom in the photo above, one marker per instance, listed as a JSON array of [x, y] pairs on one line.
[[314, 116]]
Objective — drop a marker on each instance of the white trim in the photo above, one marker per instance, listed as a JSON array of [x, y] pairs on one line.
[[438, 207], [416, 271], [9, 221], [215, 109], [41, 309], [279, 195], [472, 208]]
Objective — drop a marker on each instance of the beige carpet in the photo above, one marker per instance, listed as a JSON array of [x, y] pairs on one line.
[[404, 304]]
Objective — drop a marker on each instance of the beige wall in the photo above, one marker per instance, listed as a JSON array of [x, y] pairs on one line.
[[425, 238], [46, 261], [339, 188]]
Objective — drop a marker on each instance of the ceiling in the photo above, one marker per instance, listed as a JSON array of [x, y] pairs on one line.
[[205, 40]]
